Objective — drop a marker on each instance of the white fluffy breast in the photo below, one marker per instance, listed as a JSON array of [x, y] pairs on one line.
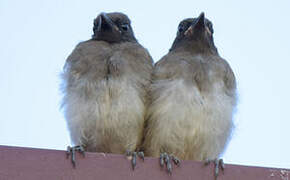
[[110, 106], [190, 124]]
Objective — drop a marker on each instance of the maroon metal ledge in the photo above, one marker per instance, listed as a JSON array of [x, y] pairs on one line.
[[41, 164]]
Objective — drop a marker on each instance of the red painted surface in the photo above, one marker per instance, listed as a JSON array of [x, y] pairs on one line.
[[41, 164]]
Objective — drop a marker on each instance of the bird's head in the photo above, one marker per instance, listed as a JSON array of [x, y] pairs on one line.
[[113, 28], [195, 34]]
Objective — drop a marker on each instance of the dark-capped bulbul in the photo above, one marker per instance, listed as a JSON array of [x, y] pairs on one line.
[[193, 97], [105, 81]]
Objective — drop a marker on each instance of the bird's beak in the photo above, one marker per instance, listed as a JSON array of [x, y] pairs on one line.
[[104, 20], [197, 25]]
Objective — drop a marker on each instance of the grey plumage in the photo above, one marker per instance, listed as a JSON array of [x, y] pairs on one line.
[[105, 81], [193, 96]]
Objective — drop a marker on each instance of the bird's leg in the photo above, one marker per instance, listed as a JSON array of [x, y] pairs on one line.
[[218, 164], [165, 158], [133, 155], [176, 160], [71, 151]]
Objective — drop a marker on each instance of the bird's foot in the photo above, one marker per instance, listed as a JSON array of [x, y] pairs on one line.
[[218, 164], [133, 156], [166, 159], [71, 151]]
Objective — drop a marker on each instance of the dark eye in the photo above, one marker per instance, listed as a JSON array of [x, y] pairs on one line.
[[180, 29], [210, 27], [125, 27]]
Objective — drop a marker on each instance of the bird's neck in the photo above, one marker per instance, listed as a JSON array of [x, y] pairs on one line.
[[113, 39], [196, 47]]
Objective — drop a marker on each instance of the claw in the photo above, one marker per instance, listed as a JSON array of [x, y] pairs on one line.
[[218, 163], [68, 151], [168, 164], [216, 168], [128, 153], [71, 151], [161, 160], [134, 155], [175, 160], [166, 159], [207, 162], [222, 164], [134, 160], [81, 150], [73, 157], [141, 155]]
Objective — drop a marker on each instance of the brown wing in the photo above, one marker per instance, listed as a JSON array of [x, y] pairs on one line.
[[87, 61], [229, 80]]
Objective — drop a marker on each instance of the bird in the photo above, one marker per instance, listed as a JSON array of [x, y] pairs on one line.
[[193, 97], [105, 83]]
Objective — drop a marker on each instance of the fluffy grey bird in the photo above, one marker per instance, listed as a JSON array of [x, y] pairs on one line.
[[105, 81], [193, 97]]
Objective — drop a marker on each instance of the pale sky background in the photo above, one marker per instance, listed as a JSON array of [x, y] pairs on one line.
[[253, 36]]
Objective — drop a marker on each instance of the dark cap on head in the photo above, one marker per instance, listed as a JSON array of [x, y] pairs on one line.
[[195, 34], [113, 28]]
